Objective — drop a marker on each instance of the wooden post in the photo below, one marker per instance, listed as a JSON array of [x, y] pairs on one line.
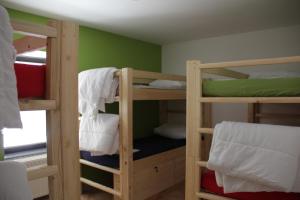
[[194, 109], [69, 110], [53, 116], [126, 135]]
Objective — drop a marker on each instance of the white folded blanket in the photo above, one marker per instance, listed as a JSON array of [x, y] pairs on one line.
[[256, 157], [9, 107], [100, 134], [14, 184], [96, 87]]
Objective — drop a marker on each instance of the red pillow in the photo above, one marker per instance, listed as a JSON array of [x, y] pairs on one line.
[[31, 80]]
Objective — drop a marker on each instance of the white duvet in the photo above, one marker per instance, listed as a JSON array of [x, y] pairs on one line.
[[9, 107], [100, 134], [256, 157]]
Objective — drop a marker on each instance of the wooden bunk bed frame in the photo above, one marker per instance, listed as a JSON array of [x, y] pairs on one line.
[[141, 178], [60, 103], [196, 116]]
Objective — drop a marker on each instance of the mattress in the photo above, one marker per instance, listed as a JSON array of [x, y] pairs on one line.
[[31, 80], [275, 87], [146, 147], [209, 184]]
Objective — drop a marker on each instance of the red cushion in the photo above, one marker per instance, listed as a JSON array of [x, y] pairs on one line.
[[208, 183], [30, 80]]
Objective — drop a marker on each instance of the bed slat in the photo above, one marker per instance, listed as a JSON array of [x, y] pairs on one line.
[[210, 196], [250, 99], [100, 187], [101, 167], [41, 172], [26, 104]]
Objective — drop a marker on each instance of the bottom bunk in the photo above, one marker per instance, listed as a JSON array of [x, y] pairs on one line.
[[209, 185], [156, 158]]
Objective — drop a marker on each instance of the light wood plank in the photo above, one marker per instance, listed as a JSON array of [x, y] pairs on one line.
[[226, 73], [69, 110], [41, 172], [28, 104], [254, 62], [202, 163], [53, 116], [100, 186], [193, 108], [210, 196], [206, 130], [250, 99], [101, 167], [31, 29], [126, 135], [155, 75], [29, 43]]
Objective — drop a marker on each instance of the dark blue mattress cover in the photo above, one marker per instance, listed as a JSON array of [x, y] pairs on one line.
[[146, 146]]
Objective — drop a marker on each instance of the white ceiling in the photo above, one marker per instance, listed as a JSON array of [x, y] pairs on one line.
[[168, 21]]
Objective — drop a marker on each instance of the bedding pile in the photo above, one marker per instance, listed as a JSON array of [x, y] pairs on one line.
[[256, 157], [98, 132]]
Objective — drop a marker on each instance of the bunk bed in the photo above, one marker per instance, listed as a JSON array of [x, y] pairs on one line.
[[201, 183], [58, 96], [139, 175]]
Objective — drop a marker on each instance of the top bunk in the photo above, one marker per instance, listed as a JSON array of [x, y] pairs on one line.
[[244, 89], [141, 90]]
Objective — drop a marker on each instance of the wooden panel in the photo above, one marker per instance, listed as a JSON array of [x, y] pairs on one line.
[[158, 94], [41, 172], [69, 111], [155, 75], [126, 114], [250, 99], [29, 43], [254, 62], [193, 108], [37, 30], [53, 116], [27, 104]]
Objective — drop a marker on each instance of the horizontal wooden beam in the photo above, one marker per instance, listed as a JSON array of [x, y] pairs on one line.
[[41, 172], [202, 163], [31, 29], [29, 43], [158, 94], [157, 76], [100, 187], [27, 104], [250, 99], [254, 62], [210, 196], [278, 115], [206, 130], [101, 167], [227, 73]]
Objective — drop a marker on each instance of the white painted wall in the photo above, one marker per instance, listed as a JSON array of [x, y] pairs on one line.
[[277, 42]]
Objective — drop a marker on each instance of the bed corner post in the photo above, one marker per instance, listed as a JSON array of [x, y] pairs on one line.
[[126, 133], [194, 111], [69, 110]]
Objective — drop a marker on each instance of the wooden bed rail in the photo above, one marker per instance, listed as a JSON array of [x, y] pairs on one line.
[[31, 29], [41, 172], [248, 63]]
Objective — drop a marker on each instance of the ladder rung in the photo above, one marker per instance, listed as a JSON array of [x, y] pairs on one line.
[[202, 163], [41, 172], [210, 196], [206, 130], [100, 187], [101, 167]]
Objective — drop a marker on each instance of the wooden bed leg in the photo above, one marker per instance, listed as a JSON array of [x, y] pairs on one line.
[[69, 111], [116, 185], [126, 136], [53, 116], [193, 137]]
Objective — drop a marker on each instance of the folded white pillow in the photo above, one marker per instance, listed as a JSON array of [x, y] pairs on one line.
[[171, 130], [167, 84]]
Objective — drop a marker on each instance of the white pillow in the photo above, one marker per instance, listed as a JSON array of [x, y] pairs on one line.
[[171, 130], [167, 84]]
